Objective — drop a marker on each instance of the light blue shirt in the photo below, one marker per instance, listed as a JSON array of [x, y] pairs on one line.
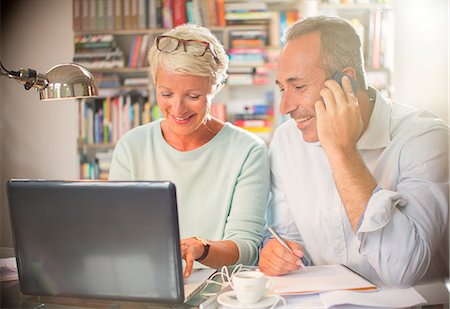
[[403, 234], [222, 187]]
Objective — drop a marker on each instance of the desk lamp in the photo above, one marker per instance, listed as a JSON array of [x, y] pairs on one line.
[[63, 81]]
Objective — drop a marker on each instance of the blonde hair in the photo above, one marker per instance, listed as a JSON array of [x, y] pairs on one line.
[[182, 62]]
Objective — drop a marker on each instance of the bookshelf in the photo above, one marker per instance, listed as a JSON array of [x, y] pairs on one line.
[[375, 24], [250, 32]]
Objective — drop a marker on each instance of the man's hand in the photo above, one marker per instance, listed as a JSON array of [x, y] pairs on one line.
[[339, 122], [276, 260], [339, 126]]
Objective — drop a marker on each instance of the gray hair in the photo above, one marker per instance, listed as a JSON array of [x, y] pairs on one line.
[[185, 63], [340, 44]]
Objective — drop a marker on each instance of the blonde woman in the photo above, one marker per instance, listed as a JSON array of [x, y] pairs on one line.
[[221, 172]]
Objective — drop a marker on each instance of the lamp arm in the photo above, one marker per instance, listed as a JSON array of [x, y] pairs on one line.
[[28, 77]]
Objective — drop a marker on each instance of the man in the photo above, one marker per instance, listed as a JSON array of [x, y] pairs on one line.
[[356, 179]]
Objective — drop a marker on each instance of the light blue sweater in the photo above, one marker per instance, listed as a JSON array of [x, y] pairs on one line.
[[222, 186]]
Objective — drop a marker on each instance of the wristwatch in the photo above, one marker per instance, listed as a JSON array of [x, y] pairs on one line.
[[206, 244]]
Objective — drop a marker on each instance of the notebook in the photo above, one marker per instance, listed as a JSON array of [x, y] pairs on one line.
[[321, 278], [94, 239]]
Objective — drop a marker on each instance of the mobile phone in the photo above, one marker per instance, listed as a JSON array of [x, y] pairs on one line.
[[337, 76]]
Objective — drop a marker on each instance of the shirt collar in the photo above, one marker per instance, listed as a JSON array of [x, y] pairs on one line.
[[377, 134]]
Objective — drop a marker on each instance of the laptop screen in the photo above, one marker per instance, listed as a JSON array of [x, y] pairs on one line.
[[109, 240]]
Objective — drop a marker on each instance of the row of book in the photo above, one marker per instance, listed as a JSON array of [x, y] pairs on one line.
[[96, 167], [104, 121], [138, 53], [89, 15]]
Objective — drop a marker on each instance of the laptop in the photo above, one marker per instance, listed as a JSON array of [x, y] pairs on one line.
[[98, 239]]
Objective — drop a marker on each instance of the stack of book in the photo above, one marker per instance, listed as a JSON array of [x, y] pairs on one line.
[[247, 47], [97, 167], [257, 119], [97, 52], [247, 13], [247, 75], [240, 76], [103, 160]]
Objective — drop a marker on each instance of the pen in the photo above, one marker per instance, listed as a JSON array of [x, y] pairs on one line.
[[283, 243]]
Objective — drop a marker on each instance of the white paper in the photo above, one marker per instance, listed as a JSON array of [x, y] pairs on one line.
[[302, 302], [387, 298], [318, 279], [8, 269]]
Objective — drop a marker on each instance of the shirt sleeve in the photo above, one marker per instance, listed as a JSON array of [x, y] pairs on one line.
[[403, 227], [245, 223]]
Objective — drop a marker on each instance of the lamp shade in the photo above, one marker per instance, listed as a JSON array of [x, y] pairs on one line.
[[68, 80]]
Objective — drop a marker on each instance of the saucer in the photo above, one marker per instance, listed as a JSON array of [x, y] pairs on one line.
[[229, 299]]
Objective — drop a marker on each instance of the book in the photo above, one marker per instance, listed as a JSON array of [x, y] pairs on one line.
[[167, 16], [376, 39], [85, 25], [322, 278], [118, 14], [101, 15], [77, 15], [142, 14], [93, 14], [126, 14], [178, 12], [109, 14], [152, 14], [142, 57], [133, 15]]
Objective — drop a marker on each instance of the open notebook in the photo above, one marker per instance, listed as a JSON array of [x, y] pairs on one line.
[[316, 279], [104, 240]]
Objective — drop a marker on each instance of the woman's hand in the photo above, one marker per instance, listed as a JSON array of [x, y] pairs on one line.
[[191, 249]]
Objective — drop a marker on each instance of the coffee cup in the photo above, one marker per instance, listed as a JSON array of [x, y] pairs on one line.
[[250, 286]]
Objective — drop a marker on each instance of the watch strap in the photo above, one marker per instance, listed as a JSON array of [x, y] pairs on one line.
[[206, 246]]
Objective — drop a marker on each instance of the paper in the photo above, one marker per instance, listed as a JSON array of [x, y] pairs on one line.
[[8, 269], [387, 298], [321, 278]]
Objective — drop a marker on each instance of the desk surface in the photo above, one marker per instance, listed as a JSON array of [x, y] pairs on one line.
[[435, 293]]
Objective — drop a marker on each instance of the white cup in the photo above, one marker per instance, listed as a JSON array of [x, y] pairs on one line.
[[250, 286]]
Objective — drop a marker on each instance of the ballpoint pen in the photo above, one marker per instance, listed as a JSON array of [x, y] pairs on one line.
[[283, 243]]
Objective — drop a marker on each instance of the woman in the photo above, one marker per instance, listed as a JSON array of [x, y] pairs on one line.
[[221, 172]]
